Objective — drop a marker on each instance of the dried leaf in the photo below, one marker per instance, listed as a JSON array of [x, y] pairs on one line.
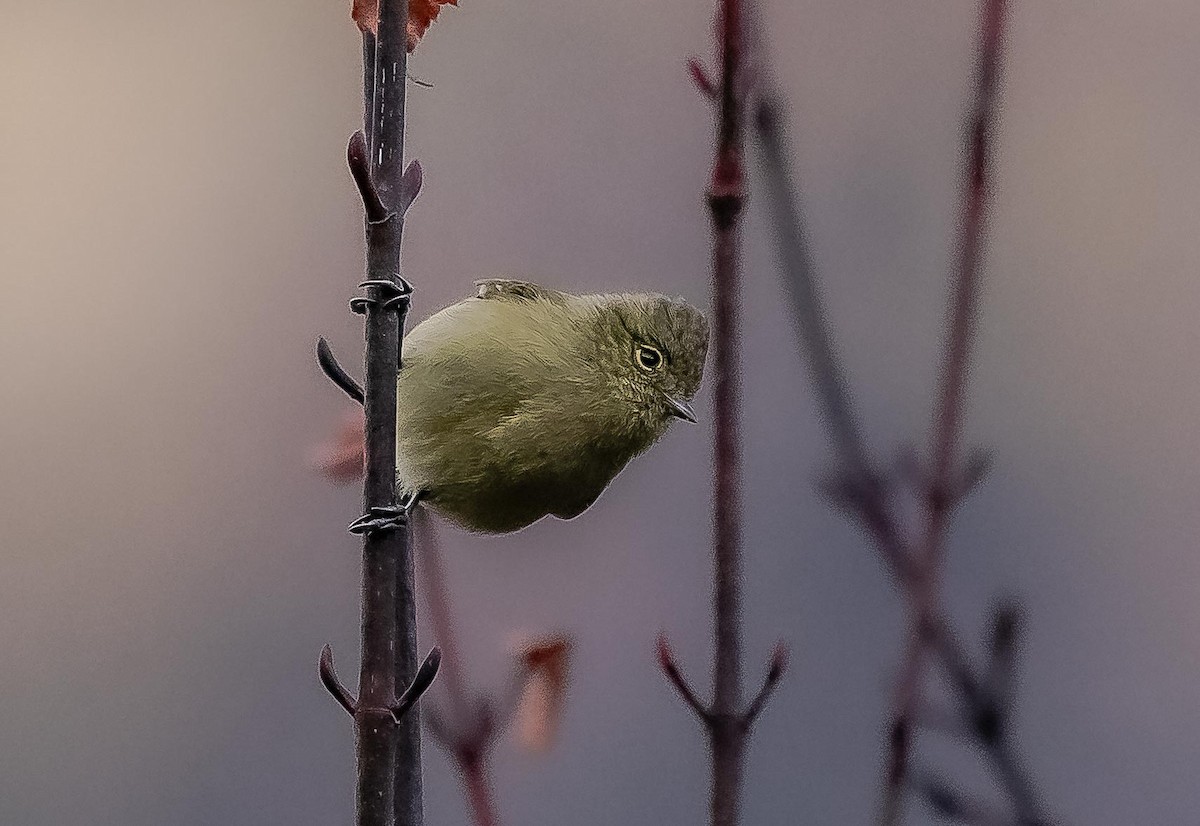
[[366, 14], [341, 458], [546, 661], [421, 14]]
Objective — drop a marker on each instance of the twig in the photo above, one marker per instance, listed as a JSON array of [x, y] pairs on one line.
[[336, 373], [983, 702], [468, 733], [388, 741], [939, 493], [726, 721]]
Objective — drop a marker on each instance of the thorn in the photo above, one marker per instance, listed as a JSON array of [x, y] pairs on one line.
[[1006, 628], [666, 661], [410, 186], [360, 170], [331, 368], [976, 467], [700, 77], [333, 685], [420, 683], [776, 668], [766, 113]]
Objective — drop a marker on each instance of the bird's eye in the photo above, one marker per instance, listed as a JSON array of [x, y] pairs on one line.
[[648, 357]]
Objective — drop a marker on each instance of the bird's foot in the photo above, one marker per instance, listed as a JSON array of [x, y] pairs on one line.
[[387, 294], [389, 518]]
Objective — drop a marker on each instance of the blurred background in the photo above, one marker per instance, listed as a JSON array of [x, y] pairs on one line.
[[177, 227]]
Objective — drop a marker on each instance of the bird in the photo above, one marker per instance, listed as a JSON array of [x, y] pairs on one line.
[[521, 401]]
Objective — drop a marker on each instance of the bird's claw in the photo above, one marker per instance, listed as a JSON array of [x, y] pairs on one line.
[[387, 518], [390, 294]]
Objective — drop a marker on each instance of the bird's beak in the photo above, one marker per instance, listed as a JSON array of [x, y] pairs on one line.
[[681, 409]]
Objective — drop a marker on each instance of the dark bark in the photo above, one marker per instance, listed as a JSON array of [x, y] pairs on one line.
[[388, 740]]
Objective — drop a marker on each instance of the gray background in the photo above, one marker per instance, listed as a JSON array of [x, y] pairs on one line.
[[176, 227]]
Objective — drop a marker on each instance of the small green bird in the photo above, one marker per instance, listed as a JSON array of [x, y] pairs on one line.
[[522, 401]]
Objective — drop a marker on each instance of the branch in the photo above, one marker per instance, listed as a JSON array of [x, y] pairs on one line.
[[942, 488], [468, 733], [726, 721], [666, 661], [915, 569], [332, 683], [419, 685], [388, 756], [775, 671], [331, 368]]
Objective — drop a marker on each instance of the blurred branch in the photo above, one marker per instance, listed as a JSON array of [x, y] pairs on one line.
[[468, 730], [727, 722], [915, 565]]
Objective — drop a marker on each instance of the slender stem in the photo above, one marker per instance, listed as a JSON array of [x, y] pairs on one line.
[[384, 128], [437, 599], [389, 775], [726, 196], [913, 567], [948, 413], [477, 780], [467, 733]]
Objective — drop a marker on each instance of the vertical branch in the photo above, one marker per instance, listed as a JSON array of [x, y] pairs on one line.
[[385, 128], [941, 489], [726, 197], [467, 731], [385, 546], [387, 738], [982, 698], [727, 720]]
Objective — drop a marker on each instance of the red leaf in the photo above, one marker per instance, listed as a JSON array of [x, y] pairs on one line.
[[341, 458], [546, 662], [421, 14], [366, 14]]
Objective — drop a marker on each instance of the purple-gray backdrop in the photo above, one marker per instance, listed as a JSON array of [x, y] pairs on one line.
[[176, 227]]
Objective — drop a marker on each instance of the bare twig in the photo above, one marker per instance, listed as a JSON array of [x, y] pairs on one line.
[[940, 494], [666, 661], [726, 720], [387, 740], [468, 731], [983, 702]]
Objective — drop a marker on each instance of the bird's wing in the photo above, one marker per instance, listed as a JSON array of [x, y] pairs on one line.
[[508, 289]]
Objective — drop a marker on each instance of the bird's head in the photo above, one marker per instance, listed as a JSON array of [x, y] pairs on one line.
[[659, 345]]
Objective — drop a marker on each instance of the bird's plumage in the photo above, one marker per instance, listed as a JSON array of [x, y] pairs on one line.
[[523, 401]]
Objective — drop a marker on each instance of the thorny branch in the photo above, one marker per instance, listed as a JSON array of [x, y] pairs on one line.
[[915, 562], [726, 720], [388, 743]]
